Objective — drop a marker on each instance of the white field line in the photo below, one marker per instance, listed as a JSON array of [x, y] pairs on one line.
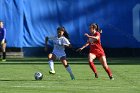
[[32, 86]]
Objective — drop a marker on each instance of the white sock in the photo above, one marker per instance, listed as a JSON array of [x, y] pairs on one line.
[[51, 65]]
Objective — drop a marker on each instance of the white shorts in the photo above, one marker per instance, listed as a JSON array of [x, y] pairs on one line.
[[59, 54]]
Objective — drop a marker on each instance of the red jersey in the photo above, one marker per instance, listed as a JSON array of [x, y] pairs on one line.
[[96, 47]]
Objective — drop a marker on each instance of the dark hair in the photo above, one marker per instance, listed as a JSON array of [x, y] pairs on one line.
[[96, 26], [65, 32]]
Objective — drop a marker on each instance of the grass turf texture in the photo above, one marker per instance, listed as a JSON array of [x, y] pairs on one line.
[[19, 78]]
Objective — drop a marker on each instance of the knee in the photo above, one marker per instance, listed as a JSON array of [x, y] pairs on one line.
[[66, 65], [50, 57], [105, 66]]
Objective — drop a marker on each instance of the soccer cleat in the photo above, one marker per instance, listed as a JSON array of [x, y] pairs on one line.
[[52, 72], [96, 75], [111, 78], [72, 78], [3, 60]]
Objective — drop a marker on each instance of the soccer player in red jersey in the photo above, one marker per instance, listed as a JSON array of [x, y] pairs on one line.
[[96, 50]]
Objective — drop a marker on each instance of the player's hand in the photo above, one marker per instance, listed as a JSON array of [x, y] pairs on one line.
[[70, 46], [79, 49], [86, 35]]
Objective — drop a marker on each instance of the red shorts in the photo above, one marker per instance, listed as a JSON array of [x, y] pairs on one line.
[[98, 54]]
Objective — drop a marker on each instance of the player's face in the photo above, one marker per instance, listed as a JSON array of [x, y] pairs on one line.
[[92, 29], [1, 24], [60, 33]]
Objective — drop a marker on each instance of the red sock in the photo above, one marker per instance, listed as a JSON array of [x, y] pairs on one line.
[[93, 67], [108, 71]]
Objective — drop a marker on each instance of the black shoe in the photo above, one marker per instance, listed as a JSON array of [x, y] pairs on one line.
[[96, 75], [111, 78]]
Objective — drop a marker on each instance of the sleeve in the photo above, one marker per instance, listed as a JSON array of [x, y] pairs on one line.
[[66, 41], [98, 34]]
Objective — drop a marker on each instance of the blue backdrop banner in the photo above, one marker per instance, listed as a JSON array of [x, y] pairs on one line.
[[28, 22]]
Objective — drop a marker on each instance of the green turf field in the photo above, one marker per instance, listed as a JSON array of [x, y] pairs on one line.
[[18, 77]]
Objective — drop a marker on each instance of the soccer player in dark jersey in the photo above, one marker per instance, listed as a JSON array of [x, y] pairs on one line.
[[3, 40], [96, 50]]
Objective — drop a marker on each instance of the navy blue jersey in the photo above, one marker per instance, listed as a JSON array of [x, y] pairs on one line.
[[2, 33]]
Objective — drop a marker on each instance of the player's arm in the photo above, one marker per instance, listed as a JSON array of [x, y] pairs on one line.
[[84, 46], [46, 43], [4, 36], [66, 43], [95, 38], [68, 46]]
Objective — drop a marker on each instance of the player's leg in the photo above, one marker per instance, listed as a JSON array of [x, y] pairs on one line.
[[51, 58], [105, 66], [91, 57], [68, 68], [3, 46]]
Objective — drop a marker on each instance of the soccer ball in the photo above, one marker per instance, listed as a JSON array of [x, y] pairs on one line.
[[38, 76]]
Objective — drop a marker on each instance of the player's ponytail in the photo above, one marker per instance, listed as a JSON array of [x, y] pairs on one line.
[[66, 35], [98, 28]]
